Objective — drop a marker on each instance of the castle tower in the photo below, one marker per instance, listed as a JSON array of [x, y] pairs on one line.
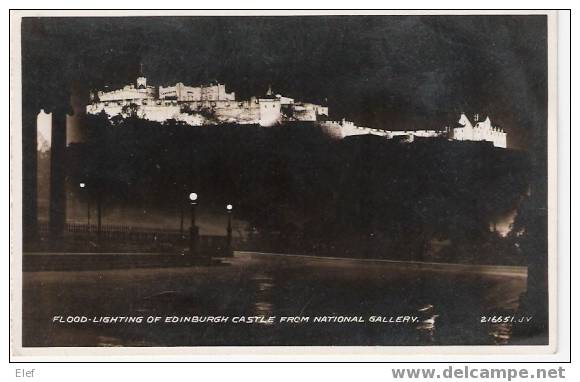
[[141, 80], [141, 83]]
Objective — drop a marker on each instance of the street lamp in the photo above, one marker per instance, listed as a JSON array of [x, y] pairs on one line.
[[83, 186], [193, 230], [181, 211], [229, 209]]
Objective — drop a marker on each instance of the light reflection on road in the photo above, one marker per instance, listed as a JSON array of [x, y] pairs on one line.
[[447, 302]]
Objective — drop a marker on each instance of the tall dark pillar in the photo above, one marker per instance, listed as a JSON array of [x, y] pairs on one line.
[[29, 173], [57, 211]]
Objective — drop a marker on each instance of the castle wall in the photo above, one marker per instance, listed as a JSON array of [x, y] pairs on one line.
[[243, 112], [285, 100], [159, 113], [152, 112], [428, 133], [111, 109], [332, 128], [344, 128], [127, 93], [321, 110], [181, 92], [309, 111], [270, 111], [201, 112], [498, 138]]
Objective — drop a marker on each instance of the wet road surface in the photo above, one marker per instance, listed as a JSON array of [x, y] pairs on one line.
[[442, 305]]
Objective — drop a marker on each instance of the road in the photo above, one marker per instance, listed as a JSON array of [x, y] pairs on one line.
[[443, 305]]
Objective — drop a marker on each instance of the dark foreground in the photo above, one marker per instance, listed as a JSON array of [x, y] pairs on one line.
[[448, 304]]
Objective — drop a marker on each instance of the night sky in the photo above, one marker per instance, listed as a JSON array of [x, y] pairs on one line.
[[392, 72]]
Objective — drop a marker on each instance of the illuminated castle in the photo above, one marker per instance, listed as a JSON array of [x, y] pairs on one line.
[[201, 105], [212, 105]]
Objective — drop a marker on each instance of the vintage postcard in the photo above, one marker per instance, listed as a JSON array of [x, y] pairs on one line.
[[275, 182]]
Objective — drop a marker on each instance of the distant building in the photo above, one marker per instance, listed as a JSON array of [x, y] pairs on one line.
[[464, 131], [480, 131], [201, 105]]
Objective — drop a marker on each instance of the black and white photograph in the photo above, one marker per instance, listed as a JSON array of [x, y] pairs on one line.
[[283, 180]]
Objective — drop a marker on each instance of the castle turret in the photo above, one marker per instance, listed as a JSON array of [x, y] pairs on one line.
[[141, 82]]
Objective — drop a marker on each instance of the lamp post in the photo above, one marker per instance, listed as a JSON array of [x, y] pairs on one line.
[[193, 230], [229, 209], [181, 221], [83, 186], [181, 208]]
